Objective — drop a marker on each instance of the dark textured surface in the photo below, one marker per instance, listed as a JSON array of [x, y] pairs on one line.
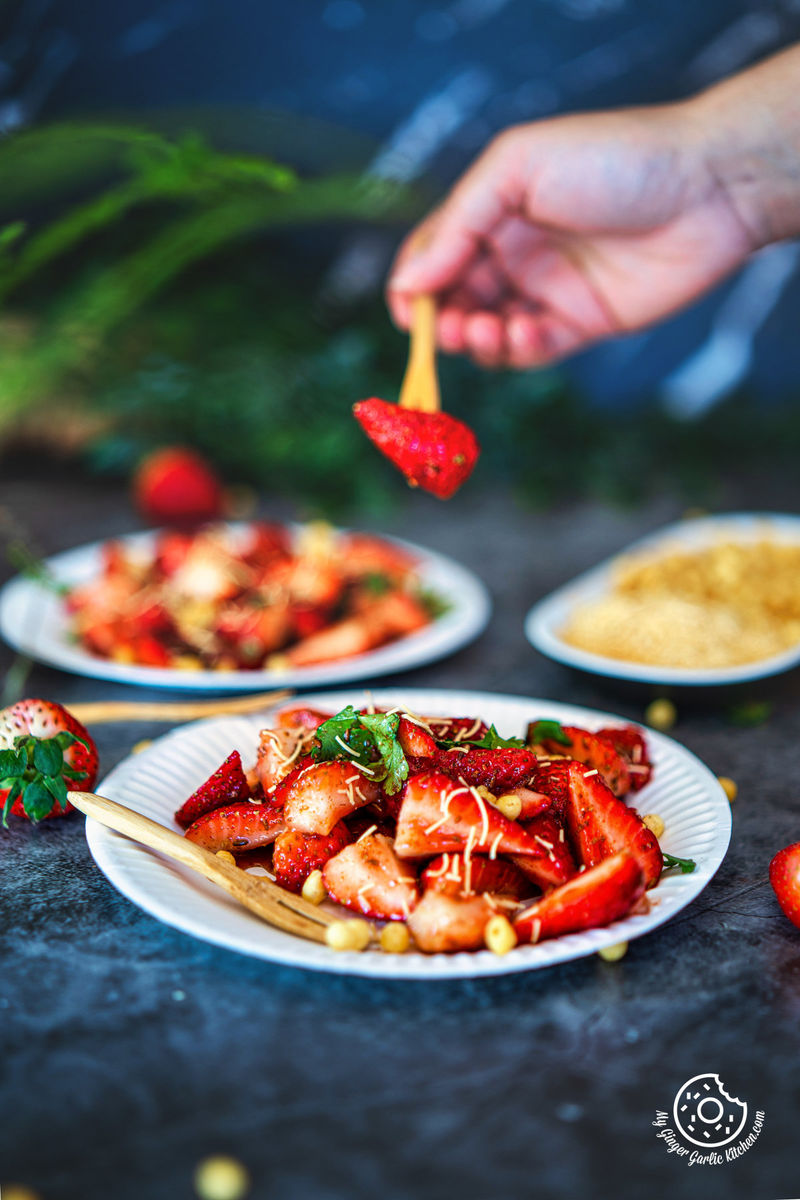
[[129, 1051]]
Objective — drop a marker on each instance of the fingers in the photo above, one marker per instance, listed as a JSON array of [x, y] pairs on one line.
[[511, 337], [438, 254]]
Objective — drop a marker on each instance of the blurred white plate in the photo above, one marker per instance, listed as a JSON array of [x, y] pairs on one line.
[[683, 792], [546, 619], [35, 622]]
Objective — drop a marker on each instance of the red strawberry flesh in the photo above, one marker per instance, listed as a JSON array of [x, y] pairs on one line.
[[296, 855], [594, 898], [784, 875], [237, 827], [433, 450], [226, 786]]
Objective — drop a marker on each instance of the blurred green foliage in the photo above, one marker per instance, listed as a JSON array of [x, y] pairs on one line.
[[173, 289]]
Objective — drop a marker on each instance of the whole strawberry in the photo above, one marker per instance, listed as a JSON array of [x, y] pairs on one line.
[[432, 449], [44, 751], [175, 485], [784, 875]]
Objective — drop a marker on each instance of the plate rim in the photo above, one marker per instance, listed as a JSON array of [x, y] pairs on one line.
[[103, 842], [541, 618], [470, 613]]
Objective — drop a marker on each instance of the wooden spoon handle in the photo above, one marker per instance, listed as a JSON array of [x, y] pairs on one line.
[[142, 829], [106, 711], [420, 387], [266, 899]]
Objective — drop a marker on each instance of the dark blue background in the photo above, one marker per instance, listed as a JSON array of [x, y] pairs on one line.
[[441, 78]]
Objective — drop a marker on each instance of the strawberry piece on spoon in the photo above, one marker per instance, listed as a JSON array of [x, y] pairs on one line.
[[434, 451]]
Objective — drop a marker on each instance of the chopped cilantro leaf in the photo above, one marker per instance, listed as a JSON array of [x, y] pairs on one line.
[[368, 740], [491, 740], [548, 731], [376, 583], [686, 865]]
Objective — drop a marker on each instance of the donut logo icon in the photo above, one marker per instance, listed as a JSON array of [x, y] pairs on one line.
[[705, 1114]]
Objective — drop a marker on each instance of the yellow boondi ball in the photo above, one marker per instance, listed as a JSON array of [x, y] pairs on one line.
[[661, 714], [499, 934], [17, 1191], [221, 1178], [395, 938], [314, 888], [729, 787], [654, 823], [613, 953]]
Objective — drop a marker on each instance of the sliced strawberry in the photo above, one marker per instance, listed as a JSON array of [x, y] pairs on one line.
[[596, 752], [226, 786], [498, 770], [321, 794], [457, 729], [438, 815], [415, 742], [369, 878], [295, 855], [630, 742], [600, 825], [596, 897], [533, 803], [784, 875], [301, 717], [552, 779], [456, 876], [433, 450], [171, 550], [444, 924], [556, 864], [237, 827]]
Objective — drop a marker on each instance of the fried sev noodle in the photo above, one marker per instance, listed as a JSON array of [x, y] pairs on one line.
[[719, 606]]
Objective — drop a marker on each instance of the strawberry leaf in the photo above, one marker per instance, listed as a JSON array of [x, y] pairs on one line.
[[37, 800], [14, 793], [12, 764], [48, 757], [57, 789]]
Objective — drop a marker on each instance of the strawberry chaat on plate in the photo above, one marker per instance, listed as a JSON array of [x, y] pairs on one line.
[[455, 836], [245, 598]]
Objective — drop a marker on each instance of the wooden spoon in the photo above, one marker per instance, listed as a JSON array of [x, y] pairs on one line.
[[433, 450], [106, 711], [262, 897], [420, 387]]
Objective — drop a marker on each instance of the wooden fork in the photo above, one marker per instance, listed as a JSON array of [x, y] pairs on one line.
[[277, 907]]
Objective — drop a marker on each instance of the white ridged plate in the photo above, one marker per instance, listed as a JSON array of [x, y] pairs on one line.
[[548, 617], [683, 792], [34, 621]]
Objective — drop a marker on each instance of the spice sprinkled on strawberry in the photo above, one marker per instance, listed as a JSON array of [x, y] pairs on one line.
[[44, 751]]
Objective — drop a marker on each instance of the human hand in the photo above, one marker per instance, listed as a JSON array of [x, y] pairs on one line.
[[570, 230]]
